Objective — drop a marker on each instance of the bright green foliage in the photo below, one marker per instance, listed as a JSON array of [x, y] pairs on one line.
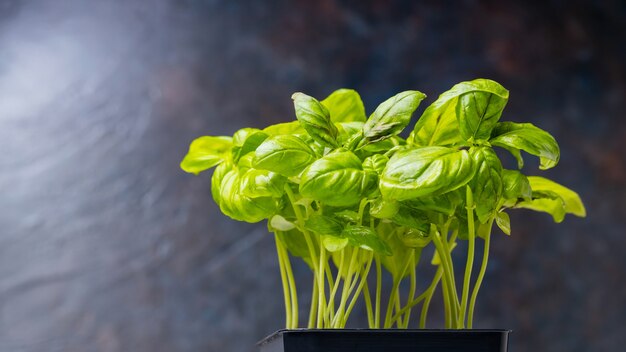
[[487, 182], [284, 154], [392, 116], [337, 179], [553, 198], [206, 152], [419, 172], [346, 194], [315, 119], [479, 110], [345, 105], [525, 136]]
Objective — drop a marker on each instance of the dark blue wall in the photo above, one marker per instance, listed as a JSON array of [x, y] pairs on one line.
[[105, 245]]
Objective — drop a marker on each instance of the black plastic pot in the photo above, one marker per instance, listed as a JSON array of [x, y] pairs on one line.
[[395, 340]]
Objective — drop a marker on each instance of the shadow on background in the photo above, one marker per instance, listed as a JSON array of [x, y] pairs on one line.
[[105, 245]]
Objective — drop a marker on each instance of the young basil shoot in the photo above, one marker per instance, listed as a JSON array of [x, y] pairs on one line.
[[349, 196]]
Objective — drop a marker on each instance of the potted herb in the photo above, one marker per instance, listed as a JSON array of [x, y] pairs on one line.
[[350, 197]]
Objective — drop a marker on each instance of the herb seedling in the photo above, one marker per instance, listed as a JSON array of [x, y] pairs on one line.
[[349, 196]]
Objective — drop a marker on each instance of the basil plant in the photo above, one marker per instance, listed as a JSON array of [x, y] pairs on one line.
[[349, 196]]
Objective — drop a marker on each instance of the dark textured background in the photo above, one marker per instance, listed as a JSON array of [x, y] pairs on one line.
[[105, 245]]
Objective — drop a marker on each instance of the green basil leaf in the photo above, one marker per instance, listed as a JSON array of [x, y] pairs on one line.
[[324, 225], [345, 105], [415, 238], [337, 179], [348, 130], [279, 223], [553, 198], [345, 215], [375, 163], [487, 182], [392, 116], [424, 171], [529, 138], [484, 229], [411, 218], [246, 162], [218, 175], [246, 140], [439, 124], [283, 154], [396, 263], [504, 222], [385, 145], [543, 187], [445, 203], [334, 244], [237, 206], [292, 128], [554, 207], [315, 119], [366, 238], [206, 152], [515, 187], [384, 209], [255, 183], [479, 110]]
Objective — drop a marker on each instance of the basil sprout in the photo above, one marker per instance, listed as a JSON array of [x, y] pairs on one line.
[[346, 194]]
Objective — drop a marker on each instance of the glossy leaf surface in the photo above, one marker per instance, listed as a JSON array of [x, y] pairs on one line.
[[284, 154], [425, 171], [553, 198], [345, 105], [392, 116], [315, 119], [337, 179], [479, 110], [515, 187], [487, 182], [439, 124], [206, 152], [529, 138], [366, 238]]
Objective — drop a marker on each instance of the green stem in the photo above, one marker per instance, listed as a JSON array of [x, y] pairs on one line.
[[446, 302], [333, 294], [448, 288], [310, 246], [392, 297], [283, 277], [329, 275], [345, 290], [321, 288], [313, 310], [355, 296], [379, 275], [412, 287], [447, 246], [429, 297], [362, 209], [479, 280], [428, 293], [368, 306], [470, 253], [292, 288]]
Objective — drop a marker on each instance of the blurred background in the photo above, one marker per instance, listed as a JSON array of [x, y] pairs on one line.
[[106, 245]]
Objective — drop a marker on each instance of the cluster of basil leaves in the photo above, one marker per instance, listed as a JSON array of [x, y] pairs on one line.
[[337, 181]]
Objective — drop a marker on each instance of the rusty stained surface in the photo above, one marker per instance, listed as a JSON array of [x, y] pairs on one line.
[[105, 245]]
